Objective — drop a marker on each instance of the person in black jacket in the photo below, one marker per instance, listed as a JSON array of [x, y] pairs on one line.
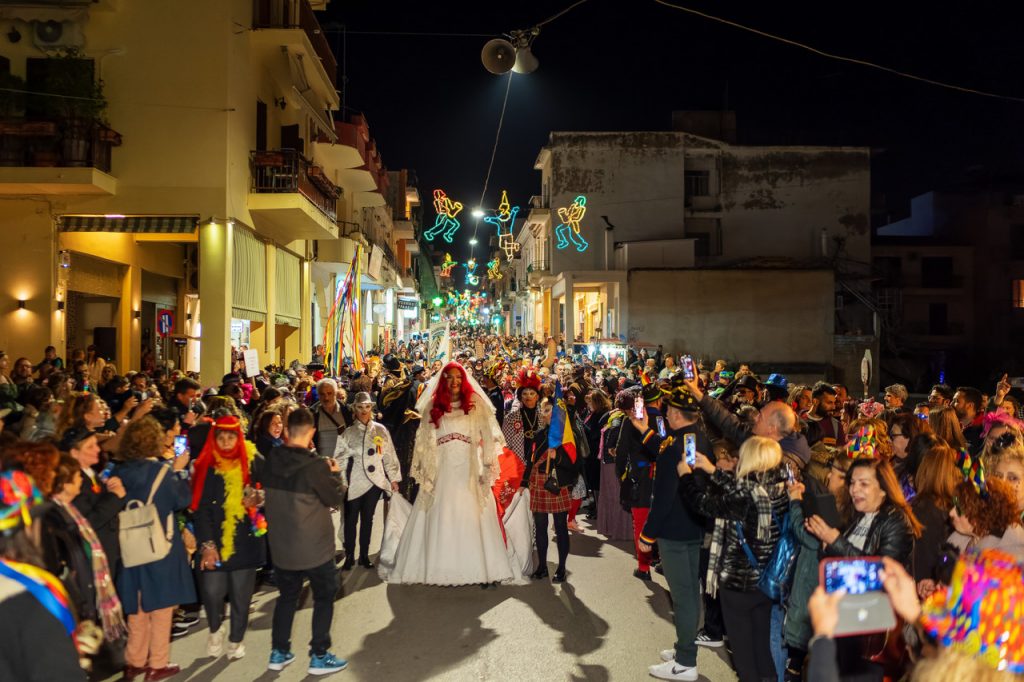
[[229, 532], [678, 530], [301, 487], [635, 462], [748, 510], [99, 501]]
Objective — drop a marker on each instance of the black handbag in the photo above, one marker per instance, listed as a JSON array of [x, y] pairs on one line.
[[551, 482]]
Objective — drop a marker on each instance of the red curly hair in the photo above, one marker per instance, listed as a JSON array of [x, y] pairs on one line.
[[443, 399]]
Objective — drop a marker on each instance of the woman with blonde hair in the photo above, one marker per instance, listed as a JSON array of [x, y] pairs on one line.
[[747, 509], [1009, 467]]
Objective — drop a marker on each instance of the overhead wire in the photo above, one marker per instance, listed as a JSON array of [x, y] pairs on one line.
[[838, 57]]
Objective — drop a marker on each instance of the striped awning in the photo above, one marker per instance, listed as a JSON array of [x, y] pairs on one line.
[[143, 224]]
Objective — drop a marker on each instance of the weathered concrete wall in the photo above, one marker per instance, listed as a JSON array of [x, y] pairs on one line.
[[777, 200], [740, 315]]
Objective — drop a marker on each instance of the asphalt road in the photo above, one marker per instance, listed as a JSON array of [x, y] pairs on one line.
[[603, 624]]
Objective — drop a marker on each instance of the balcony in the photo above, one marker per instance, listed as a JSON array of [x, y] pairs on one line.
[[39, 158], [292, 24], [290, 197], [538, 270], [538, 201]]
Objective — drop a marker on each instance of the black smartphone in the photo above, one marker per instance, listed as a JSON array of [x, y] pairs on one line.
[[823, 505]]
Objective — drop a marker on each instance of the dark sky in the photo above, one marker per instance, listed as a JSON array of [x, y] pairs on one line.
[[627, 64]]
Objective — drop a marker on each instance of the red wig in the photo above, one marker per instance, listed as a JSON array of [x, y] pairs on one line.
[[443, 399]]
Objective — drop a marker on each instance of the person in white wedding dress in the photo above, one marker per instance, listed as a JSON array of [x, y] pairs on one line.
[[453, 535]]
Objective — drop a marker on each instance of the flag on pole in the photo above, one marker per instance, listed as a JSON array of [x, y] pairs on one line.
[[560, 432]]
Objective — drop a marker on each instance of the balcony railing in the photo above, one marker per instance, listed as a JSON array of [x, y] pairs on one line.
[[297, 14], [284, 171], [47, 144], [539, 265]]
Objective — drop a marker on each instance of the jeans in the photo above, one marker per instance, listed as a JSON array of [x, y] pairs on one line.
[[323, 581], [360, 510], [681, 561], [238, 586], [748, 620]]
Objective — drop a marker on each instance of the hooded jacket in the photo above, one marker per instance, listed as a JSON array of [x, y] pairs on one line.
[[300, 492]]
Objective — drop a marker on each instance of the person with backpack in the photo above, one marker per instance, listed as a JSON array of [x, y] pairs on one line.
[[749, 510], [155, 577]]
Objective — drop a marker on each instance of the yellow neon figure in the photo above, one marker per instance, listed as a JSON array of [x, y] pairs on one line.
[[492, 269], [504, 221], [447, 265], [471, 278], [446, 222], [569, 227]]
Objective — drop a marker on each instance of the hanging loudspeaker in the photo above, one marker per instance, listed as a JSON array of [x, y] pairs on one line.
[[498, 56]]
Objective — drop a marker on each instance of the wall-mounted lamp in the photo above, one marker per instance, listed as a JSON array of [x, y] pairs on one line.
[[21, 304], [60, 305], [137, 314]]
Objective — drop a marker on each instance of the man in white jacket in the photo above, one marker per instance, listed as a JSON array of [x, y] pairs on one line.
[[369, 465]]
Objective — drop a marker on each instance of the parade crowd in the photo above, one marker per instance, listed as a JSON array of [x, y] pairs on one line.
[[134, 504]]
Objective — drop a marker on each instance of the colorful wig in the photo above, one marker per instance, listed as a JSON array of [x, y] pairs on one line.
[[443, 399]]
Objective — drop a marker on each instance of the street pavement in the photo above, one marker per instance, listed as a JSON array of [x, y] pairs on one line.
[[603, 624]]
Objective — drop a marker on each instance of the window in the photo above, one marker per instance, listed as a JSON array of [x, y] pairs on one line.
[[1017, 242], [261, 126], [1018, 293], [697, 183], [937, 272]]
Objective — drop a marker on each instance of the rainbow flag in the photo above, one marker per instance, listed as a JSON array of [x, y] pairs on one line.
[[560, 433]]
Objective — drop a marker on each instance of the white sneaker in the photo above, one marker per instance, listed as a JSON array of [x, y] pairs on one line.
[[235, 650], [215, 642], [670, 670], [668, 655]]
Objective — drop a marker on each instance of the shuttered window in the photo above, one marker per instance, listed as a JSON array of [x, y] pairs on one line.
[[249, 277], [286, 290]]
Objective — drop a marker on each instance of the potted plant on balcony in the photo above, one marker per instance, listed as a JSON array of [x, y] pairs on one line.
[[76, 102]]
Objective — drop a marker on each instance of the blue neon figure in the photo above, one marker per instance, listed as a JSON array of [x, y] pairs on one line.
[[446, 221], [569, 229], [503, 221], [471, 278]]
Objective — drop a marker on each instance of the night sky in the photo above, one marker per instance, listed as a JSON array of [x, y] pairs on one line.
[[627, 64]]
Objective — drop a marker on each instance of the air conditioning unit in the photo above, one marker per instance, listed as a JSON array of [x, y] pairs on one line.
[[49, 35]]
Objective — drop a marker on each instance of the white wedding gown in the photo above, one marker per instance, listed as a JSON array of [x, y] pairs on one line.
[[452, 541]]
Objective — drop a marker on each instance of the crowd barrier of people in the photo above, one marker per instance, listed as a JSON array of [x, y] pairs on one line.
[[133, 505]]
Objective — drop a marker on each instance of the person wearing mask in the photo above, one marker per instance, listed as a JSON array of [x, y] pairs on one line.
[[747, 509], [229, 532], [522, 423], [368, 462], [677, 529], [99, 501], [36, 622], [150, 592], [301, 487]]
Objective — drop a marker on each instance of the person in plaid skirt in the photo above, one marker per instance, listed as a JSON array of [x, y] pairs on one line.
[[541, 462]]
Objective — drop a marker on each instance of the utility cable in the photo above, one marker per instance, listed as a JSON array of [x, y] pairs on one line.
[[494, 153], [840, 58]]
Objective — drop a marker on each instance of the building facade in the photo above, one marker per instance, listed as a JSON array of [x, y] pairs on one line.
[[183, 213], [694, 210]]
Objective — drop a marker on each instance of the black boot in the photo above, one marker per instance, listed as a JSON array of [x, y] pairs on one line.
[[541, 572]]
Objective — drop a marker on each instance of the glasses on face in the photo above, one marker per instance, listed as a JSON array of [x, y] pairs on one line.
[[896, 434]]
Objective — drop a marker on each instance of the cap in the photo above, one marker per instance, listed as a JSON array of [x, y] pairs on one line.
[[681, 399], [417, 369], [777, 380], [746, 381], [73, 436]]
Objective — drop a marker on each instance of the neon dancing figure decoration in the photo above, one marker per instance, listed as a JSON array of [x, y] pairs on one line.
[[504, 220], [471, 278], [447, 265], [569, 227], [446, 221], [492, 268]]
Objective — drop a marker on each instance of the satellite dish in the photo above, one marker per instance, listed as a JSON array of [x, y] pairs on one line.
[[498, 56], [526, 62]]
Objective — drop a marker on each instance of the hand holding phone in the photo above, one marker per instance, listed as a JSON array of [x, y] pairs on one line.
[[690, 449], [662, 432], [689, 368], [864, 606], [180, 445], [638, 408]]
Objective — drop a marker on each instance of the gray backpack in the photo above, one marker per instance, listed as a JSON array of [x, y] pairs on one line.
[[144, 537]]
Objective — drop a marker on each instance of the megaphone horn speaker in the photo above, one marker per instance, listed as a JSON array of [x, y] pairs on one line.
[[498, 56]]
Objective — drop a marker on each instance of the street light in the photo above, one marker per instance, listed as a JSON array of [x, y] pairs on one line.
[[478, 213], [472, 241]]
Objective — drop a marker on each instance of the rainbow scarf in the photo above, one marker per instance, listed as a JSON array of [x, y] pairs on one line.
[[44, 586]]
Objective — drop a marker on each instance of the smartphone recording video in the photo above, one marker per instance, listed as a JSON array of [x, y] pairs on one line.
[[180, 445], [638, 408], [865, 607], [856, 576], [690, 449], [689, 368]]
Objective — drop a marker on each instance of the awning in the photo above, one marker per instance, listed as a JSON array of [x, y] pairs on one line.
[[249, 276], [288, 281], [146, 224]]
